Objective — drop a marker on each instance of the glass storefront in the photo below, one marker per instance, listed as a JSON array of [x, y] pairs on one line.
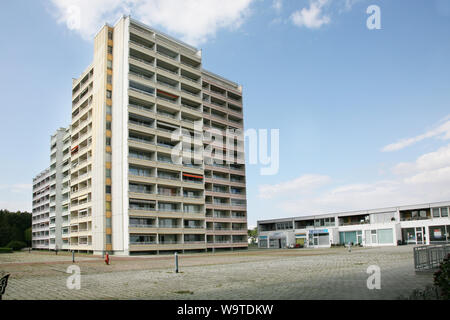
[[439, 234], [380, 236], [385, 236], [262, 243], [409, 235], [348, 237], [319, 238]]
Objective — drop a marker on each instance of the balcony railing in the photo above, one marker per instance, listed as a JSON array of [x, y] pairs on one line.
[[143, 226]]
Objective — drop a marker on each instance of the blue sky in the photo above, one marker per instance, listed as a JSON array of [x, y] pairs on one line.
[[362, 114]]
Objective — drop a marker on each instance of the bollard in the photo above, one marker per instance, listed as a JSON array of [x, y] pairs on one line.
[[107, 260], [349, 247], [176, 262], [73, 256]]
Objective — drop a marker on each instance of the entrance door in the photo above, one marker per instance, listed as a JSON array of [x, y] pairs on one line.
[[419, 236], [374, 236], [359, 237]]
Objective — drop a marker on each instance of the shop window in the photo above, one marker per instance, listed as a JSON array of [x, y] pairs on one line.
[[385, 236]]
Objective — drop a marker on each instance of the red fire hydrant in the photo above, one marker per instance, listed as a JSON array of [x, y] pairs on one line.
[[107, 259]]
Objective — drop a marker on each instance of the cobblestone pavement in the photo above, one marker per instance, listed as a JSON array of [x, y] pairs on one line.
[[260, 274]]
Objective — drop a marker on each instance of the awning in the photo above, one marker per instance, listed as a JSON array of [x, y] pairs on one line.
[[192, 176]]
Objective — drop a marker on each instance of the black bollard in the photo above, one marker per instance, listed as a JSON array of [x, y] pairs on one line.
[[176, 262]]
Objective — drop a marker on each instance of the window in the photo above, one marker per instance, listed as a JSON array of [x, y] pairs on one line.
[[108, 141], [108, 94], [109, 64], [385, 236], [108, 239], [108, 189], [436, 213], [110, 49], [108, 125], [108, 173], [108, 222], [109, 79], [108, 205], [444, 212], [108, 110], [110, 35]]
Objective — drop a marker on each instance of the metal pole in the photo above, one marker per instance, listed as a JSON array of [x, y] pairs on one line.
[[176, 262], [73, 256]]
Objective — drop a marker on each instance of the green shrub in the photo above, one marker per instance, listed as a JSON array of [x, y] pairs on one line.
[[442, 278], [6, 250], [16, 245]]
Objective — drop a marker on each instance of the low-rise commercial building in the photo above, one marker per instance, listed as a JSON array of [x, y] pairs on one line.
[[413, 224]]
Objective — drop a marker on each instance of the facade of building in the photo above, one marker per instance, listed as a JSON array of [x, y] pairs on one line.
[[140, 180], [40, 223], [414, 224], [51, 195]]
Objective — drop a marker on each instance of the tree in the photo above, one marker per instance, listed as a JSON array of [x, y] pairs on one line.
[[442, 278], [27, 236], [253, 235], [13, 226]]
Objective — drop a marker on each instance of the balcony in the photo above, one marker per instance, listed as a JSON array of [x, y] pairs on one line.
[[166, 53], [142, 88]]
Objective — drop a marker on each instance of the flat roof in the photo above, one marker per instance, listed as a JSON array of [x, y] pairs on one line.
[[359, 212], [214, 75], [179, 42]]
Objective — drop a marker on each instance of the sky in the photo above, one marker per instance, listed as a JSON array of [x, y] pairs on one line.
[[363, 114]]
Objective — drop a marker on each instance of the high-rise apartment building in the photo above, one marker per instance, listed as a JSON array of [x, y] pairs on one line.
[[59, 188], [40, 232], [140, 180], [51, 195]]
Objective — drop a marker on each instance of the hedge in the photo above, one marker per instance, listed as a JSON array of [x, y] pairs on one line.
[[16, 245], [6, 250]]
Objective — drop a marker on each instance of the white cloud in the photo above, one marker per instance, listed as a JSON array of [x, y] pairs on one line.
[[299, 185], [348, 5], [427, 162], [194, 21], [17, 188], [312, 17], [442, 131], [277, 5], [424, 180]]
